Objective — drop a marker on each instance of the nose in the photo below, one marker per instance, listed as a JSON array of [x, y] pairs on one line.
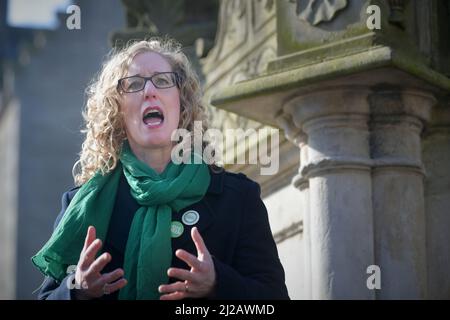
[[150, 90]]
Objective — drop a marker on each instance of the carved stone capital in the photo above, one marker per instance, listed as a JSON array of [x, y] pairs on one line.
[[397, 121], [335, 122], [325, 102], [291, 132]]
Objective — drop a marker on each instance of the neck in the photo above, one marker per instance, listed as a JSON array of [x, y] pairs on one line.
[[155, 158]]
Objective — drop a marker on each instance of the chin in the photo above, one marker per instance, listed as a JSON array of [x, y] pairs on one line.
[[156, 143], [151, 140]]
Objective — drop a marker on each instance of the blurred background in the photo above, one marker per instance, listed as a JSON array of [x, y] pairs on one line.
[[45, 70], [363, 173]]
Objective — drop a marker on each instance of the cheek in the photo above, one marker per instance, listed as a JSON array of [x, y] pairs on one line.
[[129, 105], [177, 114], [128, 118], [177, 109]]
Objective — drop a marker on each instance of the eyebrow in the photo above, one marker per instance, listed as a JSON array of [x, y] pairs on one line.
[[156, 72]]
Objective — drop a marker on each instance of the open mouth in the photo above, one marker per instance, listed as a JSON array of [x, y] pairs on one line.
[[153, 117]]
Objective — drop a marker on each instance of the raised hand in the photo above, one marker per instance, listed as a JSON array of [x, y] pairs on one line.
[[197, 282], [88, 275]]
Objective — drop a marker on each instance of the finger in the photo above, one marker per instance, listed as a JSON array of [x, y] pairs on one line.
[[99, 264], [199, 243], [190, 259], [119, 284], [89, 255], [107, 278], [90, 236], [112, 276], [178, 295], [173, 287], [182, 274]]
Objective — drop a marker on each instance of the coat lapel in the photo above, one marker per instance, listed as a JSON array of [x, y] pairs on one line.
[[205, 221], [204, 210]]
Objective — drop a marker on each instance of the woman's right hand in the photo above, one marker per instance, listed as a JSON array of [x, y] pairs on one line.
[[91, 282]]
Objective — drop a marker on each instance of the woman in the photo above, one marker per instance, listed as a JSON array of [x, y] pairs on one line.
[[139, 226]]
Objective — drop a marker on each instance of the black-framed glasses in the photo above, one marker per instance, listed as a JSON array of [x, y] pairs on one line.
[[162, 80]]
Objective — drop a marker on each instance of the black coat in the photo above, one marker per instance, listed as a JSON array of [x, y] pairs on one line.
[[234, 225]]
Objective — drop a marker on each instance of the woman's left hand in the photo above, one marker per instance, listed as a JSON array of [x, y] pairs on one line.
[[199, 282]]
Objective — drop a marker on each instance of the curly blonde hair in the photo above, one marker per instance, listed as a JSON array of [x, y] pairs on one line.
[[104, 125]]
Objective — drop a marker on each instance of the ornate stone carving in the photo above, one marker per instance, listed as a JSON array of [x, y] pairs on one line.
[[268, 6], [262, 12], [143, 14], [254, 66], [232, 28], [181, 19], [245, 42], [317, 11]]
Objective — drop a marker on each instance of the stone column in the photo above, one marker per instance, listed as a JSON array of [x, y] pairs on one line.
[[436, 158], [299, 138], [397, 118], [302, 184], [337, 169]]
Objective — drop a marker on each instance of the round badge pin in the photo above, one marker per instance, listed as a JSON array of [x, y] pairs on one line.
[[176, 229], [190, 217]]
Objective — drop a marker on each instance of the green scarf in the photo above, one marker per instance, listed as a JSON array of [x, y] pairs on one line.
[[148, 252]]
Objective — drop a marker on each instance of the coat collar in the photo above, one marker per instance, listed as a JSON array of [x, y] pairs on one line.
[[216, 183]]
